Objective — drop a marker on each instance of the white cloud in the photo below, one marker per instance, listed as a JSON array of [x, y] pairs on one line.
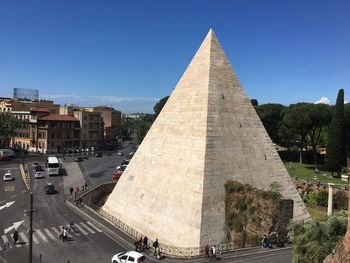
[[323, 100]]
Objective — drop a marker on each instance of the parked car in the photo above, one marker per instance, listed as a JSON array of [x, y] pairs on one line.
[[129, 257], [116, 175], [120, 153], [131, 154], [38, 175], [8, 176], [122, 167], [98, 154], [126, 161], [50, 188], [78, 159]]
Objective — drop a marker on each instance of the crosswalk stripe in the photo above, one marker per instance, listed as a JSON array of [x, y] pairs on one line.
[[49, 234], [56, 231], [35, 239], [81, 230], [43, 237], [88, 228], [93, 226], [24, 238], [6, 241]]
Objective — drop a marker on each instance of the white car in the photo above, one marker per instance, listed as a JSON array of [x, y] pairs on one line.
[[8, 176], [120, 154], [38, 175], [121, 167], [129, 257]]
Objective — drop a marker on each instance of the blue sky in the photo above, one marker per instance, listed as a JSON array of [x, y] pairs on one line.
[[130, 54]]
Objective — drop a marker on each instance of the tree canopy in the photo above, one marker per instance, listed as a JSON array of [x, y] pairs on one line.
[[159, 106], [8, 126], [336, 137]]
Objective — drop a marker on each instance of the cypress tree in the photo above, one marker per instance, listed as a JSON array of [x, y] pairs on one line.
[[336, 137]]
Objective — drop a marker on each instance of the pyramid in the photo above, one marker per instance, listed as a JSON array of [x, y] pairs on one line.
[[206, 134]]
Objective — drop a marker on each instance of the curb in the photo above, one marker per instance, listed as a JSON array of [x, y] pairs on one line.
[[25, 176]]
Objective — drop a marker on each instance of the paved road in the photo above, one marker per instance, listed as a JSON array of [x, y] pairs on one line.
[[88, 244]]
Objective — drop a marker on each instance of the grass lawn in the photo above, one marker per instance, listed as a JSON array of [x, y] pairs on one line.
[[317, 212], [307, 171]]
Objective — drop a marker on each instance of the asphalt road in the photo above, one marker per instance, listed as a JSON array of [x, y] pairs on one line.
[[88, 244]]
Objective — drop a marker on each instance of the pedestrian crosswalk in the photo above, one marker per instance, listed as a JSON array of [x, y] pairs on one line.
[[46, 235]]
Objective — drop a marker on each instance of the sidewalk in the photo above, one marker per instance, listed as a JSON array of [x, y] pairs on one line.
[[128, 243]]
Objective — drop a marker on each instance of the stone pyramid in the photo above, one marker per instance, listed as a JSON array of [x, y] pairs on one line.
[[207, 133]]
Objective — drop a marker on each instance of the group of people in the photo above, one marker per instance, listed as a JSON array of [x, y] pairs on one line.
[[77, 199], [65, 231], [141, 243], [211, 252]]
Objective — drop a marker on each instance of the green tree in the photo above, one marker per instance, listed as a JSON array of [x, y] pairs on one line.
[[254, 102], [141, 126], [8, 126], [271, 116], [297, 118], [347, 133], [336, 140], [159, 106], [320, 116], [315, 239]]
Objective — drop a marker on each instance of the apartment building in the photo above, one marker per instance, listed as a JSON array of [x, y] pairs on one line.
[[5, 104], [91, 127], [111, 122]]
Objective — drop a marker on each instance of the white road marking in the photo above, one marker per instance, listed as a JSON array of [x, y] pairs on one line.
[[17, 245], [93, 226], [41, 234], [4, 237], [24, 238], [56, 231], [13, 196], [88, 228], [49, 234], [35, 239], [24, 191], [81, 230]]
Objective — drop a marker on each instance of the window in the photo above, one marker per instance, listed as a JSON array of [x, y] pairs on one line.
[[124, 258], [131, 259]]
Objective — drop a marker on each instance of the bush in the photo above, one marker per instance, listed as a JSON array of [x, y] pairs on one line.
[[315, 239]]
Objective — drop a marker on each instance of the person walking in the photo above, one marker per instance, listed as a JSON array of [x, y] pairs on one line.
[[145, 242], [214, 252], [206, 250], [15, 236], [61, 233], [155, 245], [71, 227], [71, 191], [65, 234]]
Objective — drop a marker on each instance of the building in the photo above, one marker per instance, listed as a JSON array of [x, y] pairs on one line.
[[5, 105], [91, 127], [58, 133], [111, 122]]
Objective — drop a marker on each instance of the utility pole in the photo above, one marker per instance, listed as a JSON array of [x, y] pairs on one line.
[[31, 229], [30, 212]]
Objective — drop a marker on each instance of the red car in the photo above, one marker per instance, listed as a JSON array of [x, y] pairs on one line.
[[116, 175]]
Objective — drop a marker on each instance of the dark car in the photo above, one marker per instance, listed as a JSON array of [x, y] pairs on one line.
[[50, 188], [78, 159], [125, 161], [98, 154]]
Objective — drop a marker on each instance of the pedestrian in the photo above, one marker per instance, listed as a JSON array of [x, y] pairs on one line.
[[145, 242], [71, 191], [15, 236], [82, 187], [136, 243], [214, 252], [155, 245], [65, 237], [206, 250], [140, 242], [61, 233], [77, 189], [264, 241], [71, 227], [86, 186]]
